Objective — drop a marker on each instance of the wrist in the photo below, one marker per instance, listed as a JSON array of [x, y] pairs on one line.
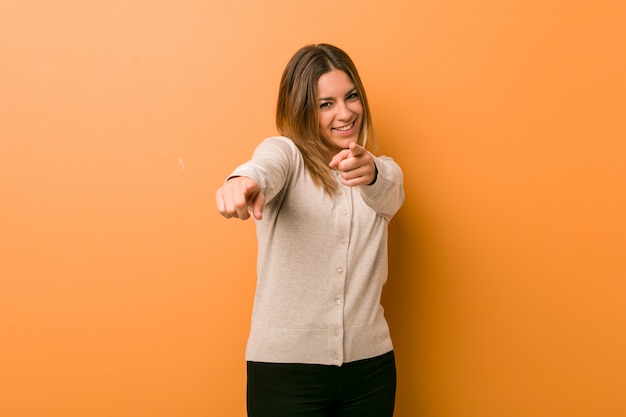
[[375, 175]]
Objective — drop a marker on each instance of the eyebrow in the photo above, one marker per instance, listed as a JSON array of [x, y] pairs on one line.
[[353, 90]]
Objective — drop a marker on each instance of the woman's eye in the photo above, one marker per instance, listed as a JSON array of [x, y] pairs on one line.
[[353, 96], [324, 105]]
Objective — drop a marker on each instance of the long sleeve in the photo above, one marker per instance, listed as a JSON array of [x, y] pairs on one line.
[[386, 195], [271, 165]]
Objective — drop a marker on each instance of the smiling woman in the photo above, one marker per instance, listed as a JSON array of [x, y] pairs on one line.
[[318, 328]]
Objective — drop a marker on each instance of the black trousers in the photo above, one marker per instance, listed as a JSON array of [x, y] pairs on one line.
[[364, 388]]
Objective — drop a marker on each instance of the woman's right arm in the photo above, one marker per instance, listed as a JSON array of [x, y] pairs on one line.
[[239, 195], [257, 181]]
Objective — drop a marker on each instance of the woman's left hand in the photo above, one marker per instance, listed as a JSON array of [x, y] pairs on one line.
[[356, 165]]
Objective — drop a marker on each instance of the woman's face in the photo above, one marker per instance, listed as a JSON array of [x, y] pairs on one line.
[[340, 111]]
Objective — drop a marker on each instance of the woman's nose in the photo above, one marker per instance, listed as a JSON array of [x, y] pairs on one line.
[[343, 112]]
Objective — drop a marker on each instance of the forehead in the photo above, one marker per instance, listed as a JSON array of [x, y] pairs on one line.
[[334, 82]]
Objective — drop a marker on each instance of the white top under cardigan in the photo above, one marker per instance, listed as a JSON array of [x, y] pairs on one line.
[[322, 261]]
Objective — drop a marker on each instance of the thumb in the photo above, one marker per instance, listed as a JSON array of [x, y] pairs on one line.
[[343, 154], [255, 199], [257, 205]]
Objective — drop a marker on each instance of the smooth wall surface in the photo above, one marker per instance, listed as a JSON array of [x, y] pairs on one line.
[[123, 293]]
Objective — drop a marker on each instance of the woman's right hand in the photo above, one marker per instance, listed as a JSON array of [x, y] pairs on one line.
[[239, 195]]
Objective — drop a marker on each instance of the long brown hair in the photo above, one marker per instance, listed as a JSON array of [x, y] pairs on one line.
[[297, 110]]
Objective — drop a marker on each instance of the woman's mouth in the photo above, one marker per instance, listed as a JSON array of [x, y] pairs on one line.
[[344, 129]]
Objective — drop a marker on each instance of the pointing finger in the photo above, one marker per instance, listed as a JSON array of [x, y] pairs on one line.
[[356, 149]]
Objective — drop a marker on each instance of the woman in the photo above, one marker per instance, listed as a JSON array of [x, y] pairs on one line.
[[319, 344]]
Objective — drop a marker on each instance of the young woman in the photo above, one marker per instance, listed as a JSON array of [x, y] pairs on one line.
[[319, 344]]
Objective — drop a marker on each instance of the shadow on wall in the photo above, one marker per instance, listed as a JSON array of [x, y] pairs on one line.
[[408, 299]]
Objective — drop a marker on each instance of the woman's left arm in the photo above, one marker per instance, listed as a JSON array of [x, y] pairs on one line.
[[386, 194]]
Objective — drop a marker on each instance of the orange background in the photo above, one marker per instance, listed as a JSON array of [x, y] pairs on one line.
[[124, 293]]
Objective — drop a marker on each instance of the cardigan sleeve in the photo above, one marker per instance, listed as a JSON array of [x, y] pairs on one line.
[[386, 195], [271, 165]]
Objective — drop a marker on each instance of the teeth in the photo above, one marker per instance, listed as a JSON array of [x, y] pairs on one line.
[[343, 128]]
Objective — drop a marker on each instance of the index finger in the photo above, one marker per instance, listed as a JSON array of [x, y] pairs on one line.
[[356, 149]]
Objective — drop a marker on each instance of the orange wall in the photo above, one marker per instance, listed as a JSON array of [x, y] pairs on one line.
[[123, 293]]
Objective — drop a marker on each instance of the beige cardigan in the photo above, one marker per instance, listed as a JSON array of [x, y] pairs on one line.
[[322, 261]]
